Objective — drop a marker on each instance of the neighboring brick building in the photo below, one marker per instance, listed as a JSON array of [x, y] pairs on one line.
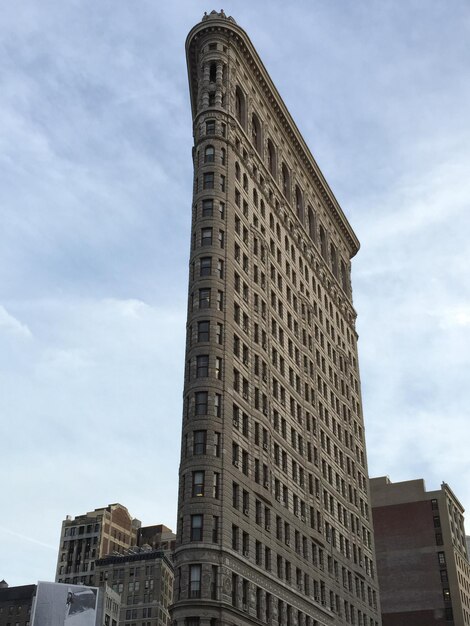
[[158, 537], [274, 523], [15, 604], [422, 561], [144, 579], [91, 536]]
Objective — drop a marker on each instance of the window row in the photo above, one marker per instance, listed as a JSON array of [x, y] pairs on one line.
[[203, 403], [207, 208], [203, 484], [306, 215], [210, 180], [195, 443], [203, 581], [207, 266], [204, 299], [198, 367], [211, 155]]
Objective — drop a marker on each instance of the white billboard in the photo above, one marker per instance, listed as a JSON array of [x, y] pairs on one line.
[[57, 604]]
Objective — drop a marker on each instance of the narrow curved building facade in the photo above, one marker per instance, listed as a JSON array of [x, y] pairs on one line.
[[274, 521]]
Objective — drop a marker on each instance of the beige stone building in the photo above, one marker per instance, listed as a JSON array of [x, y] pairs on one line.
[[422, 559], [143, 577], [274, 520], [88, 537]]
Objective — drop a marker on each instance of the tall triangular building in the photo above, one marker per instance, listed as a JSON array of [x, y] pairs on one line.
[[274, 520]]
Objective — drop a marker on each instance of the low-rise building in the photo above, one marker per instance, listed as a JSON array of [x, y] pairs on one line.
[[16, 604], [144, 579], [159, 537]]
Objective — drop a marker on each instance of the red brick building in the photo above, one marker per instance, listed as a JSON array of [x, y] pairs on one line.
[[422, 561]]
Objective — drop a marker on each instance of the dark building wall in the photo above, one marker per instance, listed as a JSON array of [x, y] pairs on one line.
[[15, 605], [406, 552]]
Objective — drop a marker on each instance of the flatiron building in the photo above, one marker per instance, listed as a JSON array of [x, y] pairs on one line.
[[274, 519]]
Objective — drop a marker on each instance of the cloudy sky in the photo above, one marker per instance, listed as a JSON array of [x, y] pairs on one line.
[[95, 197]]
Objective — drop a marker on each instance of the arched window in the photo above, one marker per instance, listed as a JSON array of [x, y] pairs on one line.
[[209, 153], [285, 181], [256, 133], [344, 276], [311, 223], [271, 158], [213, 72], [334, 260], [299, 204], [237, 171], [323, 249], [240, 106]]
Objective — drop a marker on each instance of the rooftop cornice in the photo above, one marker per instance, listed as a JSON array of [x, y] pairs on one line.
[[219, 22]]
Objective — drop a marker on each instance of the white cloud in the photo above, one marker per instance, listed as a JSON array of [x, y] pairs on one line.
[[449, 318], [9, 324], [95, 189]]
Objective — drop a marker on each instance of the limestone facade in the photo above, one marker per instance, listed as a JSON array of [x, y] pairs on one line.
[[274, 520]]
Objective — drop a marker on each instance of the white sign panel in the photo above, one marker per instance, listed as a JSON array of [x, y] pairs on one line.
[[65, 605]]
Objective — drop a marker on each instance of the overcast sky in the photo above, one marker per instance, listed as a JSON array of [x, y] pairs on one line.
[[95, 200]]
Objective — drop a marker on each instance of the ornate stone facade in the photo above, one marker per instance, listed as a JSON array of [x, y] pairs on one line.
[[274, 521]]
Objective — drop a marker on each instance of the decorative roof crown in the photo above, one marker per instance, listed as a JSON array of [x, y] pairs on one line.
[[215, 14]]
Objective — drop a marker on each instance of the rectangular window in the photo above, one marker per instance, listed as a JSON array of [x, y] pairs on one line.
[[218, 367], [202, 366], [207, 207], [235, 537], [216, 486], [205, 266], [217, 443], [199, 442], [208, 180], [196, 527], [214, 582], [195, 581], [215, 529], [204, 298], [234, 590], [198, 484], [201, 402], [210, 127], [206, 236], [235, 495], [217, 404], [203, 331]]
